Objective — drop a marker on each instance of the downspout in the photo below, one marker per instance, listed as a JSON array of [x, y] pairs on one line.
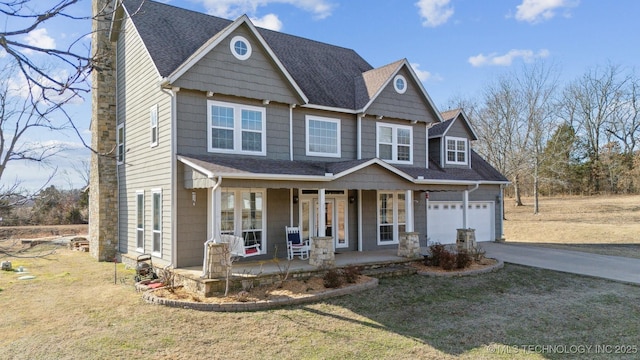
[[213, 225], [291, 106], [465, 205], [359, 136], [174, 175]]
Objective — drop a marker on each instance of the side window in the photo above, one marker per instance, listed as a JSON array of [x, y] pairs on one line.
[[323, 136], [153, 124], [156, 212], [140, 221], [120, 143], [456, 151]]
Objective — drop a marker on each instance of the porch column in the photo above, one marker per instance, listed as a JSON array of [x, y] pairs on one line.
[[465, 206], [216, 204], [408, 200], [321, 214]]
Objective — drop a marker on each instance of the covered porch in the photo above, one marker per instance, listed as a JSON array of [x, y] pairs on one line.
[[264, 272]]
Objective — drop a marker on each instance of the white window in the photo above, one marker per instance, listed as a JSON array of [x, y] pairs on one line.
[[153, 120], [240, 48], [391, 217], [235, 128], [120, 142], [140, 221], [394, 143], [456, 151], [323, 136], [400, 84], [156, 213], [242, 213]]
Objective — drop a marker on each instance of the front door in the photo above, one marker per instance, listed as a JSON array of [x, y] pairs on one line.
[[335, 219]]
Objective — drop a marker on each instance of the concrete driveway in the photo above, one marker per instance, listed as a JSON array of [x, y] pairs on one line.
[[602, 266]]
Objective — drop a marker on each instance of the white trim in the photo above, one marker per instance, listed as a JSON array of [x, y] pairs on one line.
[[291, 106], [174, 176], [154, 115], [234, 51], [394, 142], [121, 145], [456, 151], [139, 193], [404, 84], [359, 136], [335, 121], [237, 212], [155, 251], [218, 38], [237, 128]]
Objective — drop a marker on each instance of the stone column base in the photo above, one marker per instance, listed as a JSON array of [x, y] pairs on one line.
[[217, 260], [409, 245], [321, 253]]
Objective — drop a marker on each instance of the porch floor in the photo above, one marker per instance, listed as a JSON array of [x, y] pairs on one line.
[[272, 267]]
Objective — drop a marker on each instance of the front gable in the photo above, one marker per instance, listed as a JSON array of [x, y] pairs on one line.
[[400, 95], [450, 141], [256, 76]]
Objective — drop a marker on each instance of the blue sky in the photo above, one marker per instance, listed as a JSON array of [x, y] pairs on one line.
[[456, 46]]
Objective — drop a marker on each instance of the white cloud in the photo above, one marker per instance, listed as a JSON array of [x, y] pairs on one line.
[[507, 59], [269, 21], [39, 38], [233, 8], [423, 75], [434, 12], [534, 11]]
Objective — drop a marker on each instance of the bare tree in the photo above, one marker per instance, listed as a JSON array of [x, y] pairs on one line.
[[590, 104]]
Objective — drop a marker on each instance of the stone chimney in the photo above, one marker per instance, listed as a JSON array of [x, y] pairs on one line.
[[103, 182]]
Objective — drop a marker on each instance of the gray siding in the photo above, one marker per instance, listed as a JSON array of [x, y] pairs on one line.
[[145, 167], [410, 106], [435, 152], [369, 220], [191, 222], [192, 124], [257, 77], [457, 129]]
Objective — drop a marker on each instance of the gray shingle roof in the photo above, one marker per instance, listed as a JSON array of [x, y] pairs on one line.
[[327, 74], [250, 166]]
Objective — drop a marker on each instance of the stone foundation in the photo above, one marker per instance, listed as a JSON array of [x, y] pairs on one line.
[[321, 253], [409, 245]]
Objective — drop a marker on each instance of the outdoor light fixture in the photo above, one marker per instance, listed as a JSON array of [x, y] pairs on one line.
[[193, 198], [295, 199], [352, 199]]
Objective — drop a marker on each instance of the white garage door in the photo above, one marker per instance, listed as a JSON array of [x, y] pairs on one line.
[[445, 217]]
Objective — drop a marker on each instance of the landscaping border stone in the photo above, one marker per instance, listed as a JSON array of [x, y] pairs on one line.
[[151, 298], [469, 272]]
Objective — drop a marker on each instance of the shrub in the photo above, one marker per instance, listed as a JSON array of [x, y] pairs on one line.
[[463, 259], [448, 260], [332, 279], [351, 274], [436, 251]]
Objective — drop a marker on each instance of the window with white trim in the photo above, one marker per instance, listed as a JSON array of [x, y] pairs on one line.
[[391, 217], [394, 143], [140, 221], [456, 150], [242, 213], [153, 123], [322, 136], [236, 128], [120, 143], [156, 214]]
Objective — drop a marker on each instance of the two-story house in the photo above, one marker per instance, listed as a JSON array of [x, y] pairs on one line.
[[226, 128]]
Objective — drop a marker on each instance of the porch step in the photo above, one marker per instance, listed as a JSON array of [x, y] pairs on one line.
[[389, 271]]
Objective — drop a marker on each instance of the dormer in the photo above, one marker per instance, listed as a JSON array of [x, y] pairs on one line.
[[450, 140]]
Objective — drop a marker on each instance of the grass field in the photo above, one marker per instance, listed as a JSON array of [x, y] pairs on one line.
[[73, 309], [607, 225]]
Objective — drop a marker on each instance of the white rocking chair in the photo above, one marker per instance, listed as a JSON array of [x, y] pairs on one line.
[[295, 245], [238, 248]]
